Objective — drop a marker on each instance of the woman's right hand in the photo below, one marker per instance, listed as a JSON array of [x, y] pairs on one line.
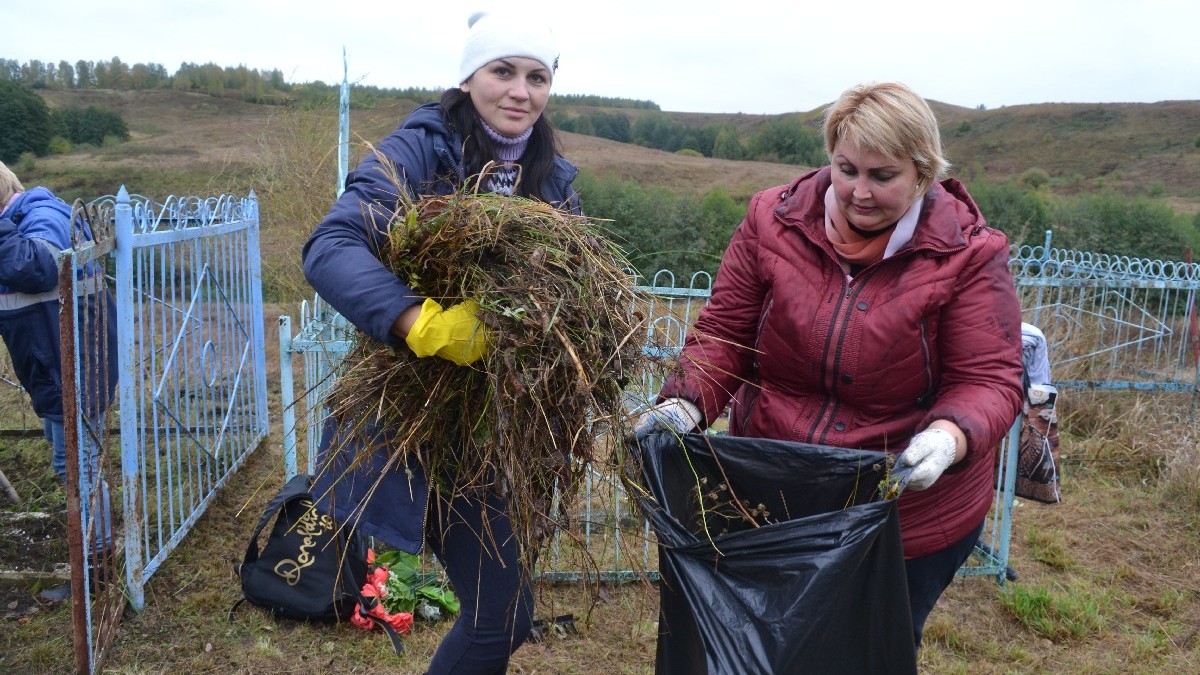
[[677, 415], [455, 334]]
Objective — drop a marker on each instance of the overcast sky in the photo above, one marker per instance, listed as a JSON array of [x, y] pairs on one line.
[[697, 56]]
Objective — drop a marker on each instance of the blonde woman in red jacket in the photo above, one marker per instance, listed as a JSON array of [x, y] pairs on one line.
[[868, 305]]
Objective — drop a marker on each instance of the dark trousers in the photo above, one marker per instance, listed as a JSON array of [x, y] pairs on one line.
[[929, 576], [482, 560]]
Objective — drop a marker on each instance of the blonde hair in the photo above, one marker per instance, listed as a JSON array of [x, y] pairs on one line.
[[891, 119], [9, 185]]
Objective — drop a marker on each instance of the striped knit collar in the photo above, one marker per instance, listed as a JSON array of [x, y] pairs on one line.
[[508, 149]]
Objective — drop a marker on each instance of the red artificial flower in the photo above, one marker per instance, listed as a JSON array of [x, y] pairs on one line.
[[361, 621], [379, 577], [401, 622]]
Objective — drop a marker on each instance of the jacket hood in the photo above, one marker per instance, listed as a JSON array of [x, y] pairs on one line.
[[948, 215], [36, 198], [39, 214], [428, 117]]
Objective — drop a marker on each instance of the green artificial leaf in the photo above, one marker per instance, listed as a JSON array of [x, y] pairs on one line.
[[407, 584]]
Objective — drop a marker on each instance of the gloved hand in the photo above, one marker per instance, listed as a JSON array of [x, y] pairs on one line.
[[930, 453], [455, 334], [674, 414]]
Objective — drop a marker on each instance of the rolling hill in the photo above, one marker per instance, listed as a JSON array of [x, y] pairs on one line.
[[1135, 148]]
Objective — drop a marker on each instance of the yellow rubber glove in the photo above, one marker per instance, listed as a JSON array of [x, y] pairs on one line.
[[455, 334]]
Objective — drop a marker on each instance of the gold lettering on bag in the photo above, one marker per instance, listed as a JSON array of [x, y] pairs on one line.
[[311, 526]]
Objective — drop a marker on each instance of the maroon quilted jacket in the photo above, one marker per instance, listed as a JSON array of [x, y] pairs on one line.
[[800, 353]]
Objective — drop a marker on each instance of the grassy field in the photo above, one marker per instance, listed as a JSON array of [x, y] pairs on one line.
[[1109, 580]]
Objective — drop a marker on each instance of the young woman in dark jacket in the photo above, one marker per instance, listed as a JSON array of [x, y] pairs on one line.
[[494, 115], [868, 305]]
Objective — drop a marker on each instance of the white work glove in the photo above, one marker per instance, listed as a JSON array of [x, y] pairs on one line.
[[930, 453], [674, 414]]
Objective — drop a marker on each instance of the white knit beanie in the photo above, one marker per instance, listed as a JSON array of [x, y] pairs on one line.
[[495, 36]]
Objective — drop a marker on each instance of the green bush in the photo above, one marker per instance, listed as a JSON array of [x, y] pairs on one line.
[[727, 145], [613, 126], [660, 229], [60, 146], [657, 130], [1023, 214], [1034, 178], [93, 124], [1111, 223], [788, 140], [25, 121], [688, 152]]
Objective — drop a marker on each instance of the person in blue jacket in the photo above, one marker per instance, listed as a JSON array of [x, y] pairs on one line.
[[34, 226], [494, 115]]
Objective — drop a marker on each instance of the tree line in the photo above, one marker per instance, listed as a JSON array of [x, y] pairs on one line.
[[685, 233], [786, 139], [248, 84]]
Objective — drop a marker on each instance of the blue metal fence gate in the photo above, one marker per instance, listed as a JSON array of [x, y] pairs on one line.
[[190, 401]]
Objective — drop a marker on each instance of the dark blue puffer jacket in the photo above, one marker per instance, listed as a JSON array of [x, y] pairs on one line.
[[33, 229], [387, 502]]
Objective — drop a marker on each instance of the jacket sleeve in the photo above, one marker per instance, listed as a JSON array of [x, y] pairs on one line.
[[979, 343], [718, 353], [27, 265], [340, 258]]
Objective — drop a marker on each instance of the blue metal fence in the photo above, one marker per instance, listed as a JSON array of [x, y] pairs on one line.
[[193, 394], [191, 397], [1113, 322]]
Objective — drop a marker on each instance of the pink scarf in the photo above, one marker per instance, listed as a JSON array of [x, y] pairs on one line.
[[11, 199]]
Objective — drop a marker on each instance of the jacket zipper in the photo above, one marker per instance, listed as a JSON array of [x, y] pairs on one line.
[[838, 326], [926, 399]]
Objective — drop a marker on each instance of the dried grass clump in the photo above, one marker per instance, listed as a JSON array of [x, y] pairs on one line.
[[556, 297]]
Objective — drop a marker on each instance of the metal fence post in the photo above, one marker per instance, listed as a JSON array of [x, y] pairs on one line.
[[129, 384], [258, 330], [287, 397]]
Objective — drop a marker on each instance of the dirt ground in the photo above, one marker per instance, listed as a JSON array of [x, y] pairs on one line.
[[32, 555]]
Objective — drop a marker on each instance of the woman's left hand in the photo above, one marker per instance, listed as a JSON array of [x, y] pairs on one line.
[[929, 453]]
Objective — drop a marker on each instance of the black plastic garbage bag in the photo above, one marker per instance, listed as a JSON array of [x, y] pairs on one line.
[[818, 586]]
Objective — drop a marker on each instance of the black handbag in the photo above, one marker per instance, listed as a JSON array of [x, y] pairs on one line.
[[310, 568]]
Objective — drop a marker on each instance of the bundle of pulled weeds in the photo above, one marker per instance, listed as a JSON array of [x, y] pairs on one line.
[[556, 296]]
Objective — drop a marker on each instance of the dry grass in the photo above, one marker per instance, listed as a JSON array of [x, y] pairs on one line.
[[297, 183]]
